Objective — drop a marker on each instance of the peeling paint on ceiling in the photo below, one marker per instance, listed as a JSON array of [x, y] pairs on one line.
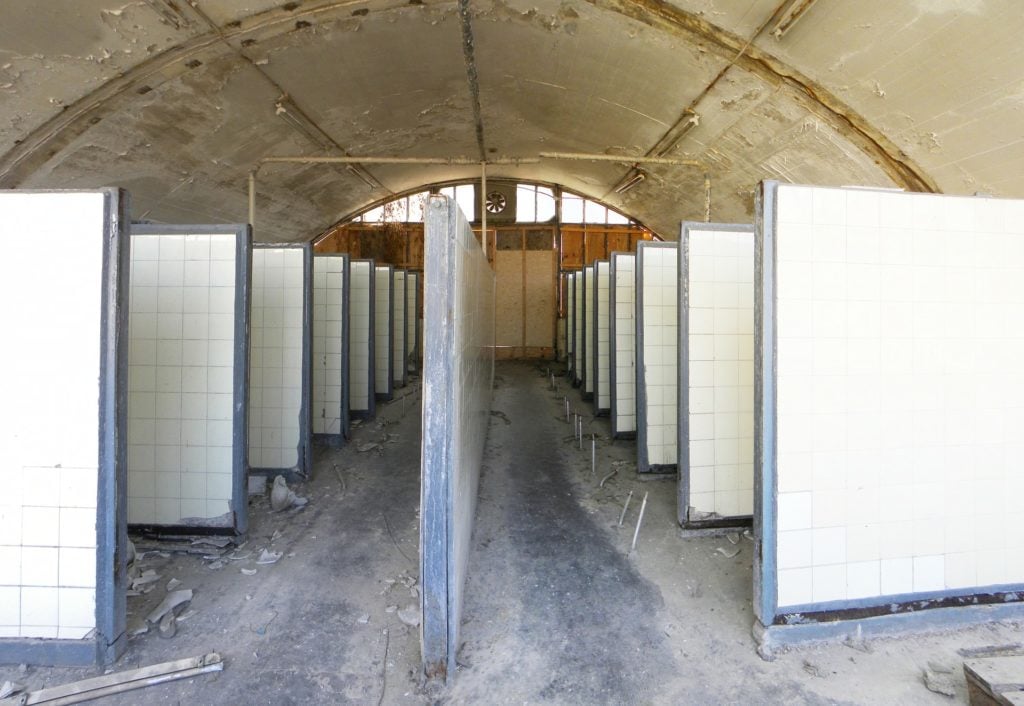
[[178, 108]]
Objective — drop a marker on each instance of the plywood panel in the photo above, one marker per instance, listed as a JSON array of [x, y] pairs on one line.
[[541, 307], [508, 271]]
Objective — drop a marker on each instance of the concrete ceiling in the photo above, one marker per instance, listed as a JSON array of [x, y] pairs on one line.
[[175, 101]]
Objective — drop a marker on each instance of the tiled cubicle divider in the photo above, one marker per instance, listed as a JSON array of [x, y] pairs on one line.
[[280, 352], [588, 332], [412, 320], [656, 355], [458, 368], [577, 318], [889, 396], [384, 314], [570, 322], [400, 328], [187, 390], [600, 301], [63, 448], [330, 346], [716, 374], [361, 327], [622, 346]]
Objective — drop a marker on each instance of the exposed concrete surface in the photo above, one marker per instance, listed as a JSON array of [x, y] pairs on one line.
[[556, 611], [176, 101]]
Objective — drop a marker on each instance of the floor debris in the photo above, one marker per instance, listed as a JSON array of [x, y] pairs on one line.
[[249, 572], [728, 553], [171, 601], [11, 688], [119, 682], [168, 626], [268, 557], [813, 669], [364, 448], [410, 615], [733, 537], [941, 682], [363, 619], [173, 584], [282, 497], [1013, 648]]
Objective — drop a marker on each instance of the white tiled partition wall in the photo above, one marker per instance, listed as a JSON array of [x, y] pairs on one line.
[[279, 411], [62, 426], [588, 332], [400, 325], [361, 327], [716, 374], [412, 320], [330, 345], [602, 328], [889, 392], [186, 376], [577, 337], [622, 346], [656, 355], [570, 322], [458, 369], [383, 316]]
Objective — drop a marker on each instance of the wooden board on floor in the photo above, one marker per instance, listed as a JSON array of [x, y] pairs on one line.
[[995, 680]]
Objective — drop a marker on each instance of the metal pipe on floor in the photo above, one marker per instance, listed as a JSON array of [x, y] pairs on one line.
[[593, 454], [625, 507], [639, 521]]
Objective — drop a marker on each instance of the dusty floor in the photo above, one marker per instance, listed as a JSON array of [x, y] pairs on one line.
[[557, 611]]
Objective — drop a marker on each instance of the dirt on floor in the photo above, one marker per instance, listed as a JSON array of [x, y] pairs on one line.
[[558, 609]]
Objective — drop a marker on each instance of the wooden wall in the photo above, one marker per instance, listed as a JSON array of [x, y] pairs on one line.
[[529, 259]]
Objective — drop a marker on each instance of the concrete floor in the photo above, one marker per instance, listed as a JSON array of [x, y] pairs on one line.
[[556, 611]]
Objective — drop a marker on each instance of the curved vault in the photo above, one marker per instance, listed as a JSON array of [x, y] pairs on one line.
[[177, 102]]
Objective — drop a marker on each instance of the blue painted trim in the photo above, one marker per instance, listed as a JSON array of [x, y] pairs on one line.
[[773, 638]]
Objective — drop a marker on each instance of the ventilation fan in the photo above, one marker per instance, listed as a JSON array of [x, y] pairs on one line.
[[500, 202]]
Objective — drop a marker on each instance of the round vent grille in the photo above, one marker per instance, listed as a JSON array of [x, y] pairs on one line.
[[496, 202]]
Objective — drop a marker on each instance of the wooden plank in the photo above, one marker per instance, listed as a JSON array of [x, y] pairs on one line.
[[990, 679]]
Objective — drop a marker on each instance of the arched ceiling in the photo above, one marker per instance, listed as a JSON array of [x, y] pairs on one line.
[[176, 101]]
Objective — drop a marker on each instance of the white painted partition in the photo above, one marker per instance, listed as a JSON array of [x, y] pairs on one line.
[[400, 364], [622, 348], [279, 359], [457, 383], [588, 332], [412, 320], [361, 328], [578, 344], [189, 302], [657, 304], [602, 333], [570, 323], [384, 316], [889, 396], [64, 274], [716, 375], [330, 346]]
